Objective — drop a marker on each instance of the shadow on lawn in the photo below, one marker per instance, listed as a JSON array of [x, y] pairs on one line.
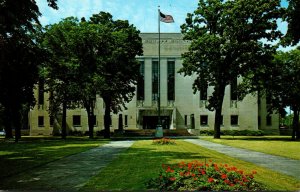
[[261, 138], [32, 153]]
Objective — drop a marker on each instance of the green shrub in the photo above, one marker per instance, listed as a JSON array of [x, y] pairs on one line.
[[234, 132], [197, 176]]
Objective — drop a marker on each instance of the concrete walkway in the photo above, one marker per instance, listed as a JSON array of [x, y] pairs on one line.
[[71, 173], [280, 164]]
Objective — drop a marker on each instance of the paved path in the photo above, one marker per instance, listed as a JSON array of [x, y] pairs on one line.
[[71, 173], [280, 164]]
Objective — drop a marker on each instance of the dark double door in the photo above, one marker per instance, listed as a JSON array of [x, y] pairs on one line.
[[150, 122]]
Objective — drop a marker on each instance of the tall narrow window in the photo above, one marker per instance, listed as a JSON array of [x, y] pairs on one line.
[[141, 82], [41, 92], [41, 121], [203, 91], [126, 121], [154, 80], [185, 120], [171, 80], [233, 89]]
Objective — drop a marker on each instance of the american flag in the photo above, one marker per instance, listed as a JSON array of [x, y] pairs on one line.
[[166, 18]]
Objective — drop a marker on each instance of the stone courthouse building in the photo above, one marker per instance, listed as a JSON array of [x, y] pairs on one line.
[[180, 108]]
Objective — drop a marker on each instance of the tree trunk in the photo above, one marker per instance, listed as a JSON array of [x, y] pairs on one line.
[[295, 133], [7, 124], [17, 123], [220, 91], [107, 119], [64, 121]]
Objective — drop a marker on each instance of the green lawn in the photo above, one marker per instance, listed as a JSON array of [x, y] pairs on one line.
[[275, 145], [33, 152], [143, 161]]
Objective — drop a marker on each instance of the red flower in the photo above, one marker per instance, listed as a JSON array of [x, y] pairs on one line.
[[224, 176], [210, 180], [172, 178], [227, 181], [254, 172]]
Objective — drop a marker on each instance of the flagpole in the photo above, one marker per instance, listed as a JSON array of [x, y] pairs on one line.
[[159, 132], [158, 99]]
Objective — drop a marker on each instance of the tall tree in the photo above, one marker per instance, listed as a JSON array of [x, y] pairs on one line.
[[99, 54], [226, 43], [17, 73], [119, 70], [284, 85], [61, 71]]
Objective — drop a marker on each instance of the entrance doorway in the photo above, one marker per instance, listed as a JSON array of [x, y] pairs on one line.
[[150, 122]]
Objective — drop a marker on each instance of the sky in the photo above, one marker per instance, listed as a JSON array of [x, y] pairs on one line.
[[143, 14]]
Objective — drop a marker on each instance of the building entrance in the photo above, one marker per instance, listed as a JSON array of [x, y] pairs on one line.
[[150, 122]]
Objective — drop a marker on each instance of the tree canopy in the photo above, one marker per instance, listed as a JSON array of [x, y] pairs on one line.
[[19, 58], [95, 56], [226, 43], [292, 16], [284, 85]]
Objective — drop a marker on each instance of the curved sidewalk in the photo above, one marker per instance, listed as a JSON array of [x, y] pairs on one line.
[[72, 172], [280, 164]]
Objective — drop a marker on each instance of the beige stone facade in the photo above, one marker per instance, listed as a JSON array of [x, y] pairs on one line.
[[180, 108]]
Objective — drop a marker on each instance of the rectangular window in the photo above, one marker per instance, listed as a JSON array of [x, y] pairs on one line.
[[203, 120], [41, 92], [269, 120], [154, 80], [141, 82], [126, 121], [51, 121], [76, 120], [203, 91], [185, 119], [259, 120], [234, 120], [171, 80], [233, 89], [41, 121]]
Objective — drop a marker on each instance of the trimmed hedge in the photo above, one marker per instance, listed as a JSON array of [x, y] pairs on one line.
[[234, 132]]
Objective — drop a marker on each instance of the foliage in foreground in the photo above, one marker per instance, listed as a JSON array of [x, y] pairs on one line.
[[202, 176]]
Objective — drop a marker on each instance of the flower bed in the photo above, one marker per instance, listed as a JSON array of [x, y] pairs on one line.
[[201, 176], [163, 141]]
